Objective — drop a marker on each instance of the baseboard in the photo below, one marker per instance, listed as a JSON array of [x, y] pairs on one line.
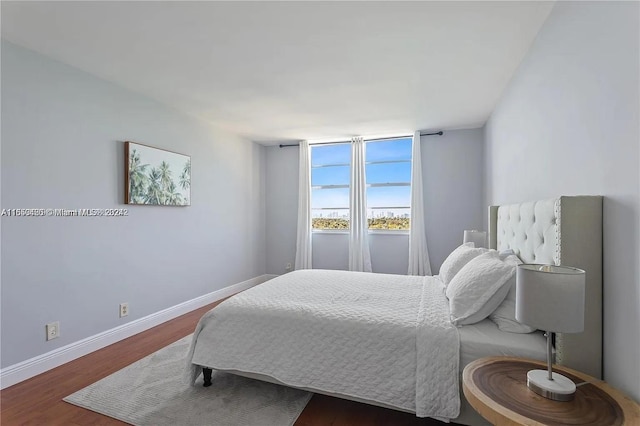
[[26, 369]]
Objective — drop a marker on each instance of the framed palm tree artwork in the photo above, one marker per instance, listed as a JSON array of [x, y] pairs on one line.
[[155, 176]]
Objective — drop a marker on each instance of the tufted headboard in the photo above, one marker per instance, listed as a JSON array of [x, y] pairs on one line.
[[561, 231]]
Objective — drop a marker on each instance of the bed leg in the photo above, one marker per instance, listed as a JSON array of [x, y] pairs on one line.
[[206, 372]]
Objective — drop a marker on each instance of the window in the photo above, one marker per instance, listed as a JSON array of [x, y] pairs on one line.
[[388, 174], [330, 176], [388, 168]]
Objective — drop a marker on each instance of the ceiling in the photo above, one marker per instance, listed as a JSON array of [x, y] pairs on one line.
[[280, 71]]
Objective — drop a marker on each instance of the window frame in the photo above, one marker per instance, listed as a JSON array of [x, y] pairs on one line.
[[368, 185], [390, 184], [332, 186]]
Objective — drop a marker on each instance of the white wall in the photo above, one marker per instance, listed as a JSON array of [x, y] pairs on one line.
[[389, 252], [282, 207], [452, 167], [453, 196], [568, 124], [62, 147]]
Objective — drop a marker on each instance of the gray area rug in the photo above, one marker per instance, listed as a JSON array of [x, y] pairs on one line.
[[154, 392]]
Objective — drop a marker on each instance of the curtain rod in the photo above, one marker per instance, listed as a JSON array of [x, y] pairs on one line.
[[440, 133]]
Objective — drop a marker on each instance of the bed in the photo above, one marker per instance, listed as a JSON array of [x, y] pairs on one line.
[[388, 340]]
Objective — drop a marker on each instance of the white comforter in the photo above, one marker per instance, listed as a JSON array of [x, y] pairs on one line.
[[382, 338]]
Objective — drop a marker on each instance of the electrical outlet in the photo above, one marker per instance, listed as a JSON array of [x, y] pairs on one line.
[[124, 309], [288, 267], [53, 330]]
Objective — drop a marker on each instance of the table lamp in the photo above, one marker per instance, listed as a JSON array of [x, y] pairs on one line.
[[475, 236], [550, 298]]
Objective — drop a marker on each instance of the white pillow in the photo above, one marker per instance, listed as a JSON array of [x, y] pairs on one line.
[[505, 315], [457, 259], [479, 288]]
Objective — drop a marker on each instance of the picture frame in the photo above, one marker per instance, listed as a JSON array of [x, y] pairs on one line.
[[155, 176]]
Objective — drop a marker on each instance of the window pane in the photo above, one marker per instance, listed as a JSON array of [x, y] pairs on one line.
[[330, 198], [330, 154], [389, 196], [391, 219], [389, 173], [333, 175], [389, 207], [397, 149], [330, 206], [330, 219]]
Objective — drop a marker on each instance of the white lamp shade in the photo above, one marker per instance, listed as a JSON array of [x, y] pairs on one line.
[[550, 298], [479, 238]]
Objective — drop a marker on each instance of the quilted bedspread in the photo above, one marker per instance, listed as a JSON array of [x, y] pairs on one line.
[[383, 338]]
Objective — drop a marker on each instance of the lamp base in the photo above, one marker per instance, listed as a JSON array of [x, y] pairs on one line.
[[560, 388]]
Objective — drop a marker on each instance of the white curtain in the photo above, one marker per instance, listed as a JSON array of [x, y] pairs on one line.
[[359, 256], [303, 242], [418, 253]]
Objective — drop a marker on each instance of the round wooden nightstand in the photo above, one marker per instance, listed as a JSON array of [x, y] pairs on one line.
[[496, 387]]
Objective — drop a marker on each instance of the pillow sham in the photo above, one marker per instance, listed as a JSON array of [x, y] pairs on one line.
[[480, 287], [457, 259], [505, 315], [506, 253]]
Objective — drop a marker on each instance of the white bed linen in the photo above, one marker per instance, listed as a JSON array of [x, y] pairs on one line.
[[486, 339], [382, 338]]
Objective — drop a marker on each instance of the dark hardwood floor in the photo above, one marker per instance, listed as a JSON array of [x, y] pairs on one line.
[[38, 401]]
